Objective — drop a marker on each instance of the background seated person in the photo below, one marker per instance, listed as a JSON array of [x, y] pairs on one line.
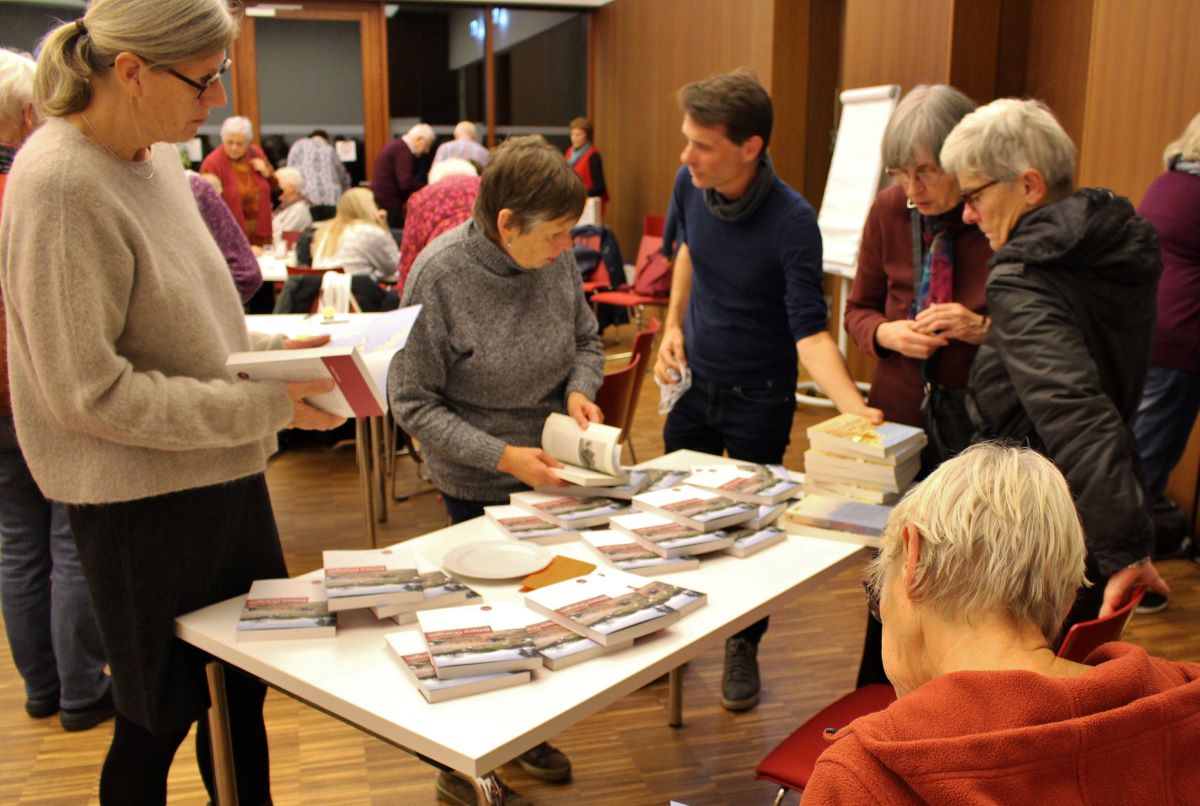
[[438, 207], [355, 239], [506, 337], [293, 213], [979, 565], [243, 265]]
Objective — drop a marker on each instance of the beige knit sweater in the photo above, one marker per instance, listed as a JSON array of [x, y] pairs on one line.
[[121, 313]]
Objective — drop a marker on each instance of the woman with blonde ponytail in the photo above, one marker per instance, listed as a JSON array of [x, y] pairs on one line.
[[121, 313]]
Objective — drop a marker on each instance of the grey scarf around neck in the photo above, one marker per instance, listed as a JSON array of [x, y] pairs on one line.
[[742, 208]]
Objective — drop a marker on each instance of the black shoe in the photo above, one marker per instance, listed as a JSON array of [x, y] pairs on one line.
[[740, 683], [76, 719], [546, 763], [42, 707], [1151, 603], [458, 791]]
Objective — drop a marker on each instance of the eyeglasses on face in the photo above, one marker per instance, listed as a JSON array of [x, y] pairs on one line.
[[925, 174], [971, 197], [202, 86], [872, 600]]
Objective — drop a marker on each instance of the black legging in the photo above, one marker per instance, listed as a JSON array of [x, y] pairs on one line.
[[135, 771]]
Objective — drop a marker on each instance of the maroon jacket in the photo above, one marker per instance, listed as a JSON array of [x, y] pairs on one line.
[[883, 292], [1172, 205], [218, 162]]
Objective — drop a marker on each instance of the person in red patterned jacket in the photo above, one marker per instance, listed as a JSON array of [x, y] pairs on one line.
[[438, 207]]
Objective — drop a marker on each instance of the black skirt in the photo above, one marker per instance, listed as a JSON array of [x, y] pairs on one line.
[[150, 560]]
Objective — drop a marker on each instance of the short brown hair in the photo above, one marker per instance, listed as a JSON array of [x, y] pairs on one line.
[[734, 100], [582, 123], [528, 176]]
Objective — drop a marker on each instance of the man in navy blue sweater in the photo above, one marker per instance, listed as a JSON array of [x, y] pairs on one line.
[[746, 302]]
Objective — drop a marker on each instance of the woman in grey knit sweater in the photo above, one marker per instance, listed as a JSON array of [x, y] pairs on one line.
[[505, 338]]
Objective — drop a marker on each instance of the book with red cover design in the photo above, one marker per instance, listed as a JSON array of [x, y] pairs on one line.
[[355, 393]]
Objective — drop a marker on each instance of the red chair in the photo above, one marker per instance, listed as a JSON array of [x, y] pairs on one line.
[[790, 764], [628, 297], [654, 225], [643, 342], [615, 395], [290, 236], [601, 280]]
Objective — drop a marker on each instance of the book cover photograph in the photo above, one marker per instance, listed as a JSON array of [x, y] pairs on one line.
[[702, 509], [839, 515], [286, 608], [520, 524], [438, 590], [568, 511], [667, 537], [468, 640], [410, 649], [592, 456], [362, 578], [611, 606], [751, 541], [561, 647], [745, 481], [850, 432], [619, 551]]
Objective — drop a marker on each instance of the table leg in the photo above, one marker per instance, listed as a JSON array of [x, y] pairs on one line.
[[675, 697], [362, 450], [224, 775], [378, 458]]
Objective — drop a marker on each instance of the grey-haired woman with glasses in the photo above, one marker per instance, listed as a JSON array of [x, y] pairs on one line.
[[121, 314]]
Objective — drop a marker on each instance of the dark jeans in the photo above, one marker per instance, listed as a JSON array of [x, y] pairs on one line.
[[1169, 404], [322, 212], [460, 509], [748, 421]]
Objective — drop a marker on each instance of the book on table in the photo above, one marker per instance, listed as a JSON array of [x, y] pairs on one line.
[[478, 639], [414, 658], [667, 537], [858, 436], [622, 552], [747, 542], [561, 648], [854, 492], [745, 481], [767, 514], [592, 456], [277, 609], [521, 524], [613, 607], [703, 510], [567, 511], [638, 480], [838, 519], [370, 577], [821, 466], [355, 393], [437, 590]]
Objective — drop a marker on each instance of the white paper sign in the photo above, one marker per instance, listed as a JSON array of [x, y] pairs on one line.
[[347, 150]]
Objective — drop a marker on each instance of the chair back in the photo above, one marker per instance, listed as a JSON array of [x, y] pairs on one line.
[[290, 236], [654, 225], [1085, 636], [614, 397], [298, 292], [642, 344]]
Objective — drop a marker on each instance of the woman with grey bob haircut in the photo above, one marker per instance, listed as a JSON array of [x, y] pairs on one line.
[[126, 411], [978, 565], [1072, 296]]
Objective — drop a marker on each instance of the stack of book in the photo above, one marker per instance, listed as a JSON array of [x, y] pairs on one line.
[[851, 458], [568, 512], [371, 578], [667, 537], [763, 485], [437, 590], [838, 519], [702, 510], [611, 607], [286, 608], [415, 659], [473, 640], [625, 554]]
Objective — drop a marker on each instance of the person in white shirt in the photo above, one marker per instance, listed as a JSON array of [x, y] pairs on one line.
[[293, 213], [355, 239]]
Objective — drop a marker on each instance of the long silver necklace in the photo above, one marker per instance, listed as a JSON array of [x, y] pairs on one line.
[[127, 163]]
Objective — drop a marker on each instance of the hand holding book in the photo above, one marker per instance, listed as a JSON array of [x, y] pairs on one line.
[[533, 466]]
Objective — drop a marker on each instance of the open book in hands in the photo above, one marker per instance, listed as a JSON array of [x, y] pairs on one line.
[[592, 457]]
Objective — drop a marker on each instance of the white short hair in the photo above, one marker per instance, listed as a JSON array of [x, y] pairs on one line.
[[422, 131], [465, 130], [922, 119], [238, 125], [999, 534], [1008, 136], [451, 166], [1187, 147], [288, 175], [16, 85]]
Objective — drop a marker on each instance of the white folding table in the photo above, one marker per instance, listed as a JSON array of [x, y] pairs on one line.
[[355, 677]]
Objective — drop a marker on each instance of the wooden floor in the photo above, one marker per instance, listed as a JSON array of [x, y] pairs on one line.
[[624, 755]]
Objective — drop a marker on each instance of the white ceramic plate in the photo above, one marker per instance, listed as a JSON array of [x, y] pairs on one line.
[[497, 559]]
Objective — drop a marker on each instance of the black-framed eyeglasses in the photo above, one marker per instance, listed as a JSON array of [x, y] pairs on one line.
[[202, 87], [970, 197], [872, 600]]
